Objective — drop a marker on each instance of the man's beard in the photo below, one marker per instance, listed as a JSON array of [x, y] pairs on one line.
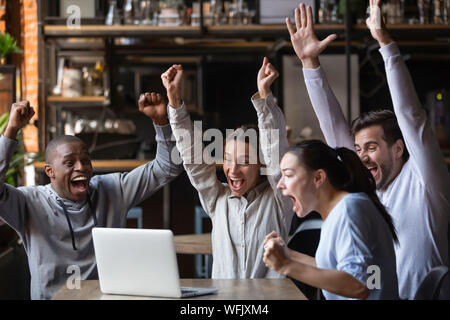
[[385, 169]]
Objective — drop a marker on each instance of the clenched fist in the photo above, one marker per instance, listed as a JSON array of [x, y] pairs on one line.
[[172, 80], [21, 113], [154, 107], [266, 76], [276, 256]]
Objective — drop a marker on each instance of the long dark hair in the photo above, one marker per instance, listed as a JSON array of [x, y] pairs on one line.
[[344, 170]]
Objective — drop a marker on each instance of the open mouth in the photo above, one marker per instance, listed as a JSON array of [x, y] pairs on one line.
[[237, 184], [373, 170], [79, 184], [294, 203]]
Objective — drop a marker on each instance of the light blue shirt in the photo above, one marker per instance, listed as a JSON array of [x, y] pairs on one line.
[[355, 237]]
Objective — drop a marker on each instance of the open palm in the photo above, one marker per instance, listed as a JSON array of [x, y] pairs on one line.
[[305, 42], [376, 24]]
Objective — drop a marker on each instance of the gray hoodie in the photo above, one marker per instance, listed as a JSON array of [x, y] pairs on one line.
[[51, 227]]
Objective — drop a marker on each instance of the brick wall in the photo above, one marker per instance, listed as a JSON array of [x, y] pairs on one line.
[[28, 61], [4, 96], [29, 35], [2, 15], [29, 67]]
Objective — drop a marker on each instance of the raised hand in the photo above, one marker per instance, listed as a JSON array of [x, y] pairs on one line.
[[376, 24], [172, 80], [21, 113], [276, 256], [305, 42], [154, 107], [266, 76]]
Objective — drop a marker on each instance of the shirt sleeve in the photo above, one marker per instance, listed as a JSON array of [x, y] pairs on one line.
[[200, 168], [12, 200], [420, 139], [328, 110], [273, 143], [140, 183], [353, 254]]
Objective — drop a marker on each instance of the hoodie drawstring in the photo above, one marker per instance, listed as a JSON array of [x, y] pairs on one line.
[[92, 212], [72, 234]]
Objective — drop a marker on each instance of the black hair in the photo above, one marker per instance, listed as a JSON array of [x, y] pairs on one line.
[[387, 120], [54, 143], [344, 170]]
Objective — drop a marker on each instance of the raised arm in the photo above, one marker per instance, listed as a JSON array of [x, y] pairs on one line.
[[12, 200], [201, 172], [140, 183], [420, 140], [326, 106], [272, 127]]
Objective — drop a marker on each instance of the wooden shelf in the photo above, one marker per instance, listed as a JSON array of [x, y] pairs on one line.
[[182, 31], [77, 99], [414, 31], [278, 30], [119, 31], [409, 27], [224, 30], [105, 165]]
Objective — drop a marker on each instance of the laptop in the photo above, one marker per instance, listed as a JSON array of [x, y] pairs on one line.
[[139, 262]]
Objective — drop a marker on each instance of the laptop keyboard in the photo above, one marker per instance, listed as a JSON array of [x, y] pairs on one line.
[[194, 292], [187, 290]]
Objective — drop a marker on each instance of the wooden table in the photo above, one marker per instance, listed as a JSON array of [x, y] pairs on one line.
[[193, 243], [228, 289]]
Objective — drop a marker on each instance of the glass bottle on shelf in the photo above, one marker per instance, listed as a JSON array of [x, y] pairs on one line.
[[88, 81], [232, 13], [207, 13], [98, 79], [226, 12], [446, 6], [395, 11], [128, 16], [137, 12], [216, 7], [195, 16], [323, 11], [333, 12], [112, 18], [146, 12], [328, 11], [438, 12], [243, 13], [424, 11]]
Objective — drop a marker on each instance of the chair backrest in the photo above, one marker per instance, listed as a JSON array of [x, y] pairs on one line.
[[306, 240], [435, 286]]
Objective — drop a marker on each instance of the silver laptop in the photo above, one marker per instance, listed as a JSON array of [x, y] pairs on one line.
[[139, 262]]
